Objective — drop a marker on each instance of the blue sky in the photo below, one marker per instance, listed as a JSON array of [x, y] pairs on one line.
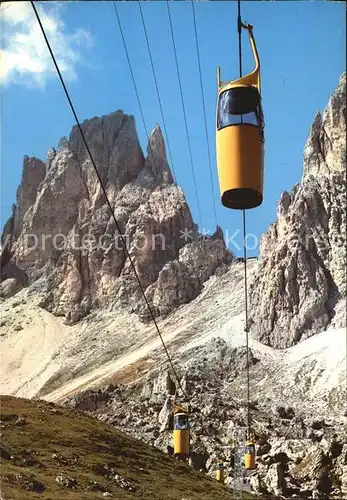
[[302, 50]]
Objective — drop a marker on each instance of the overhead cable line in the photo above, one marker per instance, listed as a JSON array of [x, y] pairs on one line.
[[239, 27], [105, 194], [137, 96], [204, 109], [135, 86], [184, 115], [162, 115], [157, 89], [159, 100], [155, 80]]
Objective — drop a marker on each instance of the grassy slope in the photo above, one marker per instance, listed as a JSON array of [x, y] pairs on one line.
[[86, 445]]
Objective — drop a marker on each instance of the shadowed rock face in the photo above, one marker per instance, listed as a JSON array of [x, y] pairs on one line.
[[66, 241], [302, 270], [34, 172]]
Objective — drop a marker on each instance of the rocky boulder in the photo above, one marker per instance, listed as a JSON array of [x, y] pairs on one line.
[[9, 287]]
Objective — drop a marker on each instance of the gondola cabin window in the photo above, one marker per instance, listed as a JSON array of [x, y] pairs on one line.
[[250, 449], [181, 422], [239, 105]]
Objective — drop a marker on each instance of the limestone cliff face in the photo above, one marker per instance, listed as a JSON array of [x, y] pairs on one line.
[[302, 269], [33, 173], [65, 239]]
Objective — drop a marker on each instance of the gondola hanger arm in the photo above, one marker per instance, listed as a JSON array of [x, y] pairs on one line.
[[253, 78]]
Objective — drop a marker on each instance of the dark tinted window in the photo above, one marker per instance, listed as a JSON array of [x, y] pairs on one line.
[[239, 105], [181, 422]]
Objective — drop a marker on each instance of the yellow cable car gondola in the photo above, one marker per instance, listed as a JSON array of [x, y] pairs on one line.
[[250, 456], [240, 138], [220, 474], [181, 431]]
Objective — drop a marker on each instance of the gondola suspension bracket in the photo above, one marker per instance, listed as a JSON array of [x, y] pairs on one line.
[[240, 137]]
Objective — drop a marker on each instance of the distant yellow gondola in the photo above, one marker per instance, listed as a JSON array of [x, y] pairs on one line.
[[240, 138], [220, 474], [250, 455], [181, 432]]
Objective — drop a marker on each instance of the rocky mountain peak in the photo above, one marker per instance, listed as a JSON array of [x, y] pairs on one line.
[[302, 270], [156, 153], [325, 150], [66, 241]]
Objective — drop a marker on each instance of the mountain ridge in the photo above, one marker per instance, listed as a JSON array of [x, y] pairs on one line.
[[74, 252]]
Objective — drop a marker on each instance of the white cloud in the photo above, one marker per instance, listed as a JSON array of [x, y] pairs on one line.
[[24, 58]]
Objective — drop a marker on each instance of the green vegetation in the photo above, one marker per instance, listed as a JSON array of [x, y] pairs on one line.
[[41, 441]]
